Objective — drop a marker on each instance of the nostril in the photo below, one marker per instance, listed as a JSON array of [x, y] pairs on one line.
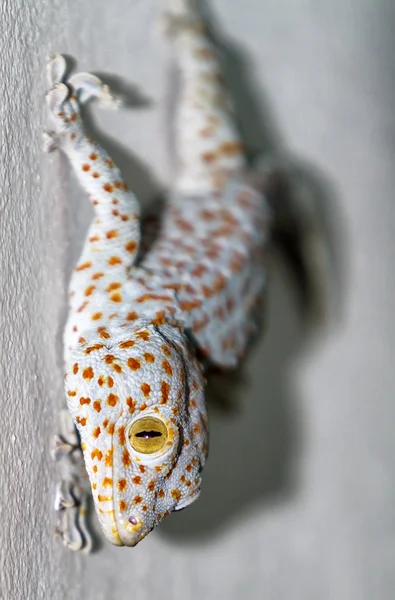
[[133, 520]]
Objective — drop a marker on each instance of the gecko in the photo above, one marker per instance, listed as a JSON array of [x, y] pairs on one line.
[[144, 323]]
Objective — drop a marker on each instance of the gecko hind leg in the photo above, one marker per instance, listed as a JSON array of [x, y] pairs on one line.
[[73, 490]]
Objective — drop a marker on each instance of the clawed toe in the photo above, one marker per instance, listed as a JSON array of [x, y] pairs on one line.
[[49, 141]]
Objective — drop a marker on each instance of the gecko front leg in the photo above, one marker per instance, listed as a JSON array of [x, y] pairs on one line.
[[72, 491]]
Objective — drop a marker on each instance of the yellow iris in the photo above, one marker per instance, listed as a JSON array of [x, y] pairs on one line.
[[148, 435]]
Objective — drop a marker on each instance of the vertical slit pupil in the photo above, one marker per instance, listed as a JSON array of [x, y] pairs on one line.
[[147, 435]]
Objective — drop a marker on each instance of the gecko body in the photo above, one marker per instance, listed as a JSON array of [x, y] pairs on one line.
[[141, 321]]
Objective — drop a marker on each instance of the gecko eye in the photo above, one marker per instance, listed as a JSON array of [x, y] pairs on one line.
[[148, 435]]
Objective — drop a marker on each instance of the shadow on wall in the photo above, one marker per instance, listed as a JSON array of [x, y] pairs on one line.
[[256, 429]]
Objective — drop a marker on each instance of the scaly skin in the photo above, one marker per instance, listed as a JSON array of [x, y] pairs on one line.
[[137, 322]]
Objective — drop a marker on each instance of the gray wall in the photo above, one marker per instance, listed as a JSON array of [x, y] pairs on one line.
[[299, 493]]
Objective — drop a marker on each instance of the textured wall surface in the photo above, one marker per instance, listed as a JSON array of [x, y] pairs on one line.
[[299, 492]]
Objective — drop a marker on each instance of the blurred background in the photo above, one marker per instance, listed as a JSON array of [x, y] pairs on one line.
[[299, 491]]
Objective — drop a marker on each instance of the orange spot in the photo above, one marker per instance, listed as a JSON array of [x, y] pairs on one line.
[[165, 389], [125, 218], [137, 499], [108, 458], [112, 400], [71, 394], [144, 507], [88, 373], [96, 175], [184, 225], [134, 364], [82, 340], [83, 305], [89, 290], [131, 404], [84, 401], [110, 428], [117, 368], [73, 136], [143, 406], [161, 494], [107, 187], [166, 350], [115, 213], [209, 157], [115, 285], [167, 367], [115, 201], [93, 156], [96, 432], [176, 494], [95, 470], [122, 485], [143, 335], [93, 348], [231, 148], [151, 486], [114, 260], [122, 506], [142, 468], [118, 185], [115, 297], [104, 498], [107, 482], [103, 333], [147, 297], [159, 318], [197, 428], [85, 167], [109, 358], [132, 316], [110, 382], [97, 405], [127, 344], [96, 316], [75, 368], [94, 238], [121, 436], [131, 246], [83, 266], [207, 131], [136, 480], [126, 458], [97, 275], [109, 162], [113, 233], [146, 389], [96, 453], [150, 358]]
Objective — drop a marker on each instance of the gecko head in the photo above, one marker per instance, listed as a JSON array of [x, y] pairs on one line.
[[67, 95], [139, 408]]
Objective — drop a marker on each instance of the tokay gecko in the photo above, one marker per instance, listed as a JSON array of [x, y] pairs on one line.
[[143, 322]]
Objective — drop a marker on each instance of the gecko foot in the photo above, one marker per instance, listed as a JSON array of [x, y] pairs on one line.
[[73, 490], [49, 141], [71, 506]]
